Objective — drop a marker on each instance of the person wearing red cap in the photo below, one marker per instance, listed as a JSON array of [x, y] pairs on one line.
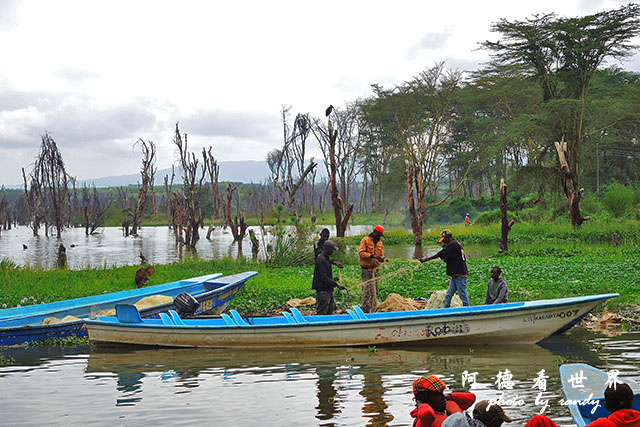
[[432, 405], [371, 254], [453, 255]]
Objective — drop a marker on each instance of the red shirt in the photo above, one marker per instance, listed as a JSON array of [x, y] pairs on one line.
[[425, 416], [621, 418]]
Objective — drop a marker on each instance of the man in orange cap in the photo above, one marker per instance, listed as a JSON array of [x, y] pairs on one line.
[[371, 254], [432, 405], [453, 254]]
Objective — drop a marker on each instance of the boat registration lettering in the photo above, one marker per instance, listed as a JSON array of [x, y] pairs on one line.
[[562, 315], [431, 331], [205, 305]]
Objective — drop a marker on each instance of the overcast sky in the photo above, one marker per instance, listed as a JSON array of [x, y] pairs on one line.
[[100, 75]]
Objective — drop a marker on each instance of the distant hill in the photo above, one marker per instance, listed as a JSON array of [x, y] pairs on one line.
[[234, 171]]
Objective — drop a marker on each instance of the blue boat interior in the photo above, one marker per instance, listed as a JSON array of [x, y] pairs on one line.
[[90, 306], [600, 411]]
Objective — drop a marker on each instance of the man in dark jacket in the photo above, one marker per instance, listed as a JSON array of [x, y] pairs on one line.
[[453, 254], [496, 288], [323, 281]]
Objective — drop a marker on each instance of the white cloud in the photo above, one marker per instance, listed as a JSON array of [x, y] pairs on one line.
[[100, 75]]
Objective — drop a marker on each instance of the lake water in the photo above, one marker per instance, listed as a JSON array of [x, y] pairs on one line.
[[110, 248], [305, 387]]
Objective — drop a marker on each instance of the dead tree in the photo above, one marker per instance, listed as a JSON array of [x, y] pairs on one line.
[[171, 205], [213, 169], [48, 197], [506, 224], [189, 206], [336, 200], [570, 186], [288, 170], [147, 175], [93, 209], [236, 223]]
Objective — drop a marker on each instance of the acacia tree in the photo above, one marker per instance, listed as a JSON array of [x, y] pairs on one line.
[[416, 118], [563, 55]]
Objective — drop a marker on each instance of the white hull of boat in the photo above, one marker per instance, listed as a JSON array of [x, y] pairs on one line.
[[526, 323]]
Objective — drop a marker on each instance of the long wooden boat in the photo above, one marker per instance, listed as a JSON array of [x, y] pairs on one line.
[[515, 323], [584, 386], [24, 325]]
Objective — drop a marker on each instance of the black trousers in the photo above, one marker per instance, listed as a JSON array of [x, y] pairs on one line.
[[325, 303]]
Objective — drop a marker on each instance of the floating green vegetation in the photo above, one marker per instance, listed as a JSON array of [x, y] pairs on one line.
[[62, 342], [4, 361]]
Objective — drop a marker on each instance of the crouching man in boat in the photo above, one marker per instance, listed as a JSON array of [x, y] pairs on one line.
[[496, 288], [618, 399], [323, 281], [432, 405]]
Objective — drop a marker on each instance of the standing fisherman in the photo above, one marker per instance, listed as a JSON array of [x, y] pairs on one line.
[[323, 281], [371, 254], [453, 254]]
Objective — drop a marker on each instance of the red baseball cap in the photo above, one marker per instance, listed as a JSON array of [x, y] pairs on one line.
[[379, 229]]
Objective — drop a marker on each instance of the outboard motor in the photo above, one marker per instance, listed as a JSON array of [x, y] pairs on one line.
[[185, 304]]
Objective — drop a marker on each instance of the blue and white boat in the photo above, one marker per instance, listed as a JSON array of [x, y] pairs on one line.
[[584, 386], [512, 323], [24, 325]]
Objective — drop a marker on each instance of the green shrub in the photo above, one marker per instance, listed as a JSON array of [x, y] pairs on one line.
[[618, 198], [492, 217]]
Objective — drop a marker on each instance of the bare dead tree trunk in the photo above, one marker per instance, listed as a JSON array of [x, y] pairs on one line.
[[237, 224], [506, 224], [191, 189], [570, 186], [336, 201], [416, 204], [171, 205], [147, 176], [214, 171]]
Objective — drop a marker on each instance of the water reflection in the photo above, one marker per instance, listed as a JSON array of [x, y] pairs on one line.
[[382, 379], [109, 248], [300, 386]]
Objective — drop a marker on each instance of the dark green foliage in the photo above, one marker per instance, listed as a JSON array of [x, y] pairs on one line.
[[618, 199]]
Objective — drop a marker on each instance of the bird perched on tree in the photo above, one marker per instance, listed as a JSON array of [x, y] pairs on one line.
[[328, 110]]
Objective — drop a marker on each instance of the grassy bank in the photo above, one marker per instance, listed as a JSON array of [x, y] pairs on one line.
[[530, 276], [628, 233]]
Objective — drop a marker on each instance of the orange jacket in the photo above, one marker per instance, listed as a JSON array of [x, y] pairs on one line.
[[368, 248]]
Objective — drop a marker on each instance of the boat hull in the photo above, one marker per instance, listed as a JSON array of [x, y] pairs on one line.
[[518, 323], [585, 400], [214, 293]]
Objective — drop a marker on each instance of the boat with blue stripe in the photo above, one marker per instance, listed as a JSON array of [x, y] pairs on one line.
[[24, 325], [512, 323], [584, 386]]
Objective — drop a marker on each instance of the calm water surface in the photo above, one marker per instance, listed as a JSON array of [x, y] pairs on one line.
[[109, 248], [306, 387]]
